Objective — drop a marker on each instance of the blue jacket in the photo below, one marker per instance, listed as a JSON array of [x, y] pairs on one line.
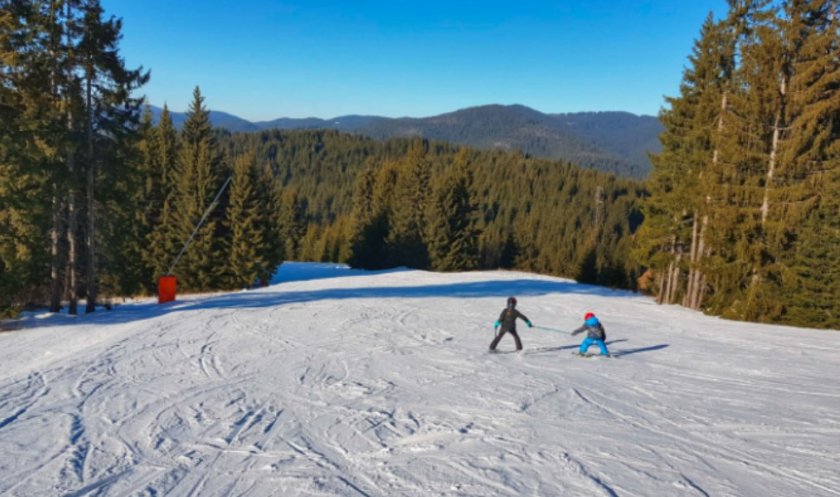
[[594, 329]]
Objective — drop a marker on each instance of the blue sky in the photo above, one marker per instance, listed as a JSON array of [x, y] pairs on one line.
[[263, 59]]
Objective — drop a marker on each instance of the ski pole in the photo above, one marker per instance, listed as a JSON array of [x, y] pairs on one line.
[[549, 329]]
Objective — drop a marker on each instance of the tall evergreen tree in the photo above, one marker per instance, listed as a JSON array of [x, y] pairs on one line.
[[248, 250], [75, 93], [371, 219], [756, 207], [159, 196], [199, 162], [453, 238], [803, 215], [25, 178], [269, 190], [681, 183], [111, 113], [291, 222], [406, 240]]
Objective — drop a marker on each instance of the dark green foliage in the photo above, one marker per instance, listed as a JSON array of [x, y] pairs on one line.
[[68, 114], [453, 238], [406, 238], [291, 220], [248, 260], [740, 221], [616, 142], [199, 165], [415, 203], [159, 196], [369, 225]]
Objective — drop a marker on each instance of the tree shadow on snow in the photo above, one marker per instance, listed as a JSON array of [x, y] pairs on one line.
[[619, 353], [291, 271], [542, 350], [275, 297]]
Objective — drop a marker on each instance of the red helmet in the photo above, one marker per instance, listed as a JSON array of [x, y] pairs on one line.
[[588, 315]]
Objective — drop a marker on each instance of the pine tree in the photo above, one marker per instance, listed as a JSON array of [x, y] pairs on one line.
[[676, 212], [75, 93], [198, 163], [25, 176], [759, 214], [370, 219], [453, 239], [159, 193], [406, 240], [110, 112], [291, 222], [269, 190], [138, 214], [248, 250], [800, 207]]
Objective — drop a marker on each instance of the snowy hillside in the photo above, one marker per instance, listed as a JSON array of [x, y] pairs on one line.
[[335, 382]]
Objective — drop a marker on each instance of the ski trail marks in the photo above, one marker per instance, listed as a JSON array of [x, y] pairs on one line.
[[579, 468], [34, 388]]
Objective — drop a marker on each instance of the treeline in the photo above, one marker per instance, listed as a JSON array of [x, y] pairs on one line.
[[583, 139], [743, 219], [741, 213], [331, 196], [96, 200], [67, 117]]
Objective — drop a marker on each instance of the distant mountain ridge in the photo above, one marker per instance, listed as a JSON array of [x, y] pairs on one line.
[[616, 142]]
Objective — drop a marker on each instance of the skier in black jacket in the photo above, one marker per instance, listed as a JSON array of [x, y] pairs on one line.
[[507, 324]]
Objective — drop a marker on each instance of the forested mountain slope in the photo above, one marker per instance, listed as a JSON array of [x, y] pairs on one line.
[[616, 142]]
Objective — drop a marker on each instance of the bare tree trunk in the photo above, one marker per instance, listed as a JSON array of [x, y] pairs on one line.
[[723, 104], [57, 202], [91, 233], [55, 251], [698, 286], [692, 259], [665, 288], [699, 277], [660, 284], [756, 278], [676, 277], [702, 294], [72, 208], [72, 245], [774, 150], [666, 295]]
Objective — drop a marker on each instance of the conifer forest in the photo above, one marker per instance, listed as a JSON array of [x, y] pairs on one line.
[[740, 216]]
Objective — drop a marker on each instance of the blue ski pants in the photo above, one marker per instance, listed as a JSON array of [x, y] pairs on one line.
[[588, 341]]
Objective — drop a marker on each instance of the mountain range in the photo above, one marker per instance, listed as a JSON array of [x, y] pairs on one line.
[[615, 142]]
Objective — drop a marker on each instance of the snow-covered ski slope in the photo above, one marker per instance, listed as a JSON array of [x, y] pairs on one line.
[[335, 382]]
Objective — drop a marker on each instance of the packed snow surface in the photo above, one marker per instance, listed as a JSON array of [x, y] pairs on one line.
[[335, 382]]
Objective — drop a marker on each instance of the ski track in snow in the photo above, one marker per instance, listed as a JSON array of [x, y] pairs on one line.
[[335, 382]]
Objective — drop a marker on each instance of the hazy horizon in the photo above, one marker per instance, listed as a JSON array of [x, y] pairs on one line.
[[329, 118]]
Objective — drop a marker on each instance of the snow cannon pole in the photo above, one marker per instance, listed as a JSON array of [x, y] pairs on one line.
[[549, 329], [167, 282]]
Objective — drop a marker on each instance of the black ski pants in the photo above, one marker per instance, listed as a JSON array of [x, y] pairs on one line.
[[501, 334]]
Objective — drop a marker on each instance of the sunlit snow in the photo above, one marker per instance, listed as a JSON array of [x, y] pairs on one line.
[[337, 382]]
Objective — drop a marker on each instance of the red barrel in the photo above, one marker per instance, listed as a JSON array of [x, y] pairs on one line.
[[167, 286]]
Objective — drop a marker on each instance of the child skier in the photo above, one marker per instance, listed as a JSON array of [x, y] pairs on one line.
[[507, 322], [595, 333]]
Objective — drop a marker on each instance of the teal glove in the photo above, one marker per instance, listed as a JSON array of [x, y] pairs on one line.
[[497, 324], [529, 324]]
